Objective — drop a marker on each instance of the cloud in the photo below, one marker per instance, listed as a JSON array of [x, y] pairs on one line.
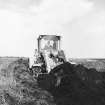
[[98, 4], [23, 3], [80, 24], [86, 35], [53, 14], [19, 5]]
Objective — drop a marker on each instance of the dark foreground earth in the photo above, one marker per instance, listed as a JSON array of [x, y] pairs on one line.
[[72, 84]]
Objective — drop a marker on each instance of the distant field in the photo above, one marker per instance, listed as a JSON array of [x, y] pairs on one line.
[[5, 61], [98, 64]]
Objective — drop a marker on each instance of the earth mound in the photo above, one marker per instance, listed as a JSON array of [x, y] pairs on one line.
[[72, 84]]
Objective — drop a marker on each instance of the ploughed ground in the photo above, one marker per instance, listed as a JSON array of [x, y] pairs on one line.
[[66, 84], [17, 85]]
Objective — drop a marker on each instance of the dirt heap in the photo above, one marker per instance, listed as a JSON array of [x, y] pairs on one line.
[[18, 87], [72, 84]]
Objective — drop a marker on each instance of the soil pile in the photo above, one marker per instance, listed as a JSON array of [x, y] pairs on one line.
[[75, 85]]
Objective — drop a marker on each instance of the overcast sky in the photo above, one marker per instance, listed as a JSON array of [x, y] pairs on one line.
[[81, 23]]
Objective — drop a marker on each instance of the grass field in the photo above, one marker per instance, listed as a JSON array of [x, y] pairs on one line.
[[17, 86], [98, 64]]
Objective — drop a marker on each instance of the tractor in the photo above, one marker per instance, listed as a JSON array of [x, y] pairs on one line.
[[48, 55]]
